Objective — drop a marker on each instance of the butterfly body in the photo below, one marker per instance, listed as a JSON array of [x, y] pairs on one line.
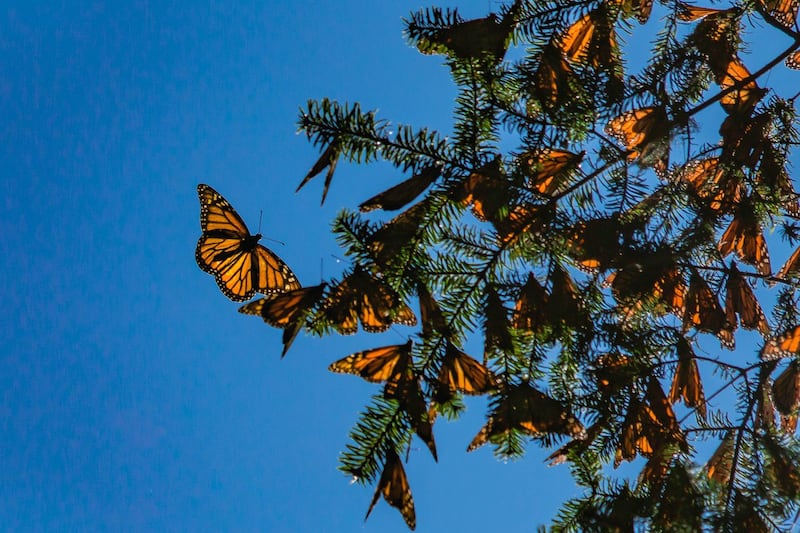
[[229, 252]]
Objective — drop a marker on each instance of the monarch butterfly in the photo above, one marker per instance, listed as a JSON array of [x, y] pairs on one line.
[[739, 298], [553, 82], [773, 176], [473, 39], [522, 219], [487, 190], [595, 243], [786, 392], [564, 303], [744, 237], [659, 284], [639, 131], [744, 139], [431, 316], [328, 159], [286, 310], [648, 425], [393, 484], [360, 296], [392, 365], [791, 267], [462, 373], [548, 168], [590, 40], [613, 371], [711, 181], [704, 313], [227, 250], [401, 194], [715, 37], [639, 8], [387, 363], [719, 464], [689, 13], [785, 345], [686, 383], [530, 311], [528, 410], [784, 11], [786, 389], [496, 336], [387, 243], [743, 99]]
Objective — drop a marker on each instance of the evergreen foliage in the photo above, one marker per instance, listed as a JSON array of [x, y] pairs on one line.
[[596, 259]]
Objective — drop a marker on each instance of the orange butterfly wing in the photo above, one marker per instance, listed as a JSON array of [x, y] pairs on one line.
[[785, 345], [462, 373], [393, 485], [744, 237], [376, 365], [637, 128], [227, 250]]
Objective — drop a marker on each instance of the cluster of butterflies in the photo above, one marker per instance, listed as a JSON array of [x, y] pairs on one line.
[[242, 267]]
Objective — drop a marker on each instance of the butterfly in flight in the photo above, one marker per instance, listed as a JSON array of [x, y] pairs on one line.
[[227, 250]]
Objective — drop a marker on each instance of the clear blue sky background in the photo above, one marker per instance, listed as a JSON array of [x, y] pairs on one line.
[[134, 396]]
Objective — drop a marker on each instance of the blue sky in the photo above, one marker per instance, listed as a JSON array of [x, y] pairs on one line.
[[135, 397]]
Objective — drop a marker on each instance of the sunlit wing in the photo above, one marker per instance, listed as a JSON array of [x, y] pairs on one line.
[[228, 251]]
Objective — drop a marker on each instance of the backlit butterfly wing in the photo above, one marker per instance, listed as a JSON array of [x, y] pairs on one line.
[[590, 40], [431, 316], [360, 296], [283, 309], [704, 313], [462, 373], [487, 190], [689, 13], [530, 411], [686, 383], [719, 465], [328, 159], [791, 267], [553, 82], [710, 181], [393, 485], [739, 298], [785, 345], [486, 37], [638, 129], [786, 390], [743, 99], [744, 237], [530, 310], [377, 365], [286, 310], [547, 169], [227, 250], [404, 192], [784, 11], [387, 243]]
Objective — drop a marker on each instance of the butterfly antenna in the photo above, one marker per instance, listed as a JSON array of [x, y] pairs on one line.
[[274, 240], [321, 272], [260, 215]]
